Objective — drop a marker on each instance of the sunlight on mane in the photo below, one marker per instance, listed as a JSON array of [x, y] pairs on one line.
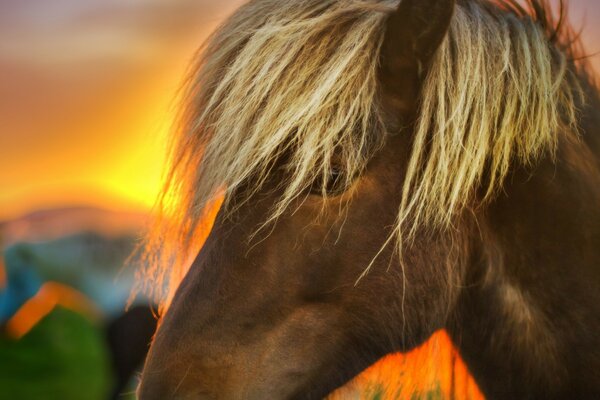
[[299, 79]]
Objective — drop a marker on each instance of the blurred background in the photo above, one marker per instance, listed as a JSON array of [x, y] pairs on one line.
[[87, 90]]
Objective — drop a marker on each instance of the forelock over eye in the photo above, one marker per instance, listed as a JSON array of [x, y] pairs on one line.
[[333, 183]]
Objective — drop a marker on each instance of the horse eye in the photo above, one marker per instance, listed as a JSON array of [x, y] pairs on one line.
[[335, 183]]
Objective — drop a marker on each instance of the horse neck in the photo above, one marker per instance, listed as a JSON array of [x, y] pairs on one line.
[[527, 322]]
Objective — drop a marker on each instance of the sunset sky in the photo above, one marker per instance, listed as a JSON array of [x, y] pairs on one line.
[[87, 89]]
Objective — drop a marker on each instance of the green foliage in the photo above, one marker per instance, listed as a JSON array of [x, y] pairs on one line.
[[63, 357]]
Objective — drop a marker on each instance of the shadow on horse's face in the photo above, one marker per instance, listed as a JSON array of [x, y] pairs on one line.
[[407, 147], [282, 315]]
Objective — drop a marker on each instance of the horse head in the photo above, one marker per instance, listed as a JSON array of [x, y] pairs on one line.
[[279, 311], [358, 147]]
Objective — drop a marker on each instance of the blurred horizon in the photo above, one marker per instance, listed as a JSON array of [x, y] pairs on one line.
[[87, 99], [88, 90]]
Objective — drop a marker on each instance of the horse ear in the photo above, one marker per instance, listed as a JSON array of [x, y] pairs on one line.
[[414, 32]]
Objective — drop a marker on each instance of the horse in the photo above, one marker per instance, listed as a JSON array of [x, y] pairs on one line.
[[380, 170]]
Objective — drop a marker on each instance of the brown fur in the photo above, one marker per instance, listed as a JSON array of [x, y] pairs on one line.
[[505, 256]]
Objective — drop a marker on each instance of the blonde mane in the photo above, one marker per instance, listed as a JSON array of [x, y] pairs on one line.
[[297, 81]]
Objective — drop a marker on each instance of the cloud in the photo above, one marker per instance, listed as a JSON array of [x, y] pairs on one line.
[[85, 83], [65, 31], [85, 88]]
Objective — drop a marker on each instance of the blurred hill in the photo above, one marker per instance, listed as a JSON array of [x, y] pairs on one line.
[[64, 286], [56, 223], [82, 247]]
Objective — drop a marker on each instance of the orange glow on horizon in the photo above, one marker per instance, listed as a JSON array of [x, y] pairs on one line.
[[88, 99], [98, 170], [87, 102]]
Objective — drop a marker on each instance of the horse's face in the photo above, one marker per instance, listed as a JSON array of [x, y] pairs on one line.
[[282, 315]]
